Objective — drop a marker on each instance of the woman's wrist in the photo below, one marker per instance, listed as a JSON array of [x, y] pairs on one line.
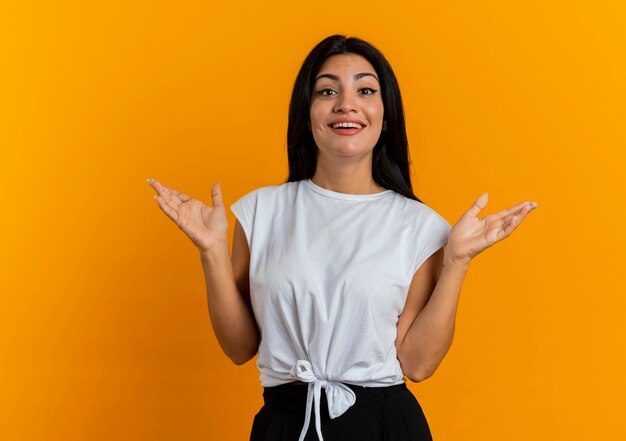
[[450, 261], [217, 251], [455, 265]]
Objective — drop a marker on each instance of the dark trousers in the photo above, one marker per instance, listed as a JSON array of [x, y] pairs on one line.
[[380, 413]]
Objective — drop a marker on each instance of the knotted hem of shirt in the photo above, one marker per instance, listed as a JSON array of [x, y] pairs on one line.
[[339, 396]]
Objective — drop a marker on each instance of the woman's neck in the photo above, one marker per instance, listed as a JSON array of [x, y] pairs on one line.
[[349, 177]]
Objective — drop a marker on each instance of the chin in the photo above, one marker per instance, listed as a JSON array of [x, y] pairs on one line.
[[349, 151]]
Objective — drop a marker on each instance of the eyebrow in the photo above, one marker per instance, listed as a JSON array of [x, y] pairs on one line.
[[336, 78]]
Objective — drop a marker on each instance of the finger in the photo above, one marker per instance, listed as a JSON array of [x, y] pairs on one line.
[[516, 208], [479, 205], [519, 215], [216, 195], [166, 191], [160, 188], [166, 208], [182, 196], [511, 223], [525, 207], [514, 218], [169, 195], [168, 203], [506, 230]]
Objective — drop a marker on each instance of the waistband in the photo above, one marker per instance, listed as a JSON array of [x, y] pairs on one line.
[[292, 396], [333, 396]]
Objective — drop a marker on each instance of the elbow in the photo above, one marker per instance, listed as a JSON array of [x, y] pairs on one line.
[[242, 356], [419, 371], [414, 370], [242, 352], [240, 359], [417, 375]]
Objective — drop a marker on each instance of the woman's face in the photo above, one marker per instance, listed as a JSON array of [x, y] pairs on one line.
[[346, 90]]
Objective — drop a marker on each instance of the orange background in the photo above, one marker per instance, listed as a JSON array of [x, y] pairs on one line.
[[104, 329]]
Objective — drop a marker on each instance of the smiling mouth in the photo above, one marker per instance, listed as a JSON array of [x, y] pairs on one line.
[[352, 130], [346, 125]]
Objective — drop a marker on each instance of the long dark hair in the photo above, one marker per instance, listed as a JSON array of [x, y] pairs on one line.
[[390, 160]]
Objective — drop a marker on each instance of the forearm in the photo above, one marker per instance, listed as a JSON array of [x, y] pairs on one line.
[[430, 336], [232, 320]]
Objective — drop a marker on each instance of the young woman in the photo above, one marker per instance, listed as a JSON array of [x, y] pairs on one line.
[[341, 279]]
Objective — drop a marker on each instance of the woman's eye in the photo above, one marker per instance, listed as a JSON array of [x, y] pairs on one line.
[[368, 91], [325, 92]]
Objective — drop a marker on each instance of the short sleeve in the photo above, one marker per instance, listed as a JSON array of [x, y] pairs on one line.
[[433, 234], [244, 210]]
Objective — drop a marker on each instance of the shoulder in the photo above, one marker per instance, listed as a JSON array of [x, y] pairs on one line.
[[268, 192], [278, 190], [418, 213], [260, 205]]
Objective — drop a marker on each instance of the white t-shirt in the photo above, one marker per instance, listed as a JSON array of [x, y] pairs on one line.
[[329, 276]]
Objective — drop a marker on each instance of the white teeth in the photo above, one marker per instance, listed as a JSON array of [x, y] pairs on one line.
[[347, 124]]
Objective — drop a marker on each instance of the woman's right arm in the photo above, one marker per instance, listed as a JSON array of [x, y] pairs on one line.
[[228, 296], [227, 285]]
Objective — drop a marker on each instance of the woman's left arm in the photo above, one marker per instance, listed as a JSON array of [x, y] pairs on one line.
[[426, 325]]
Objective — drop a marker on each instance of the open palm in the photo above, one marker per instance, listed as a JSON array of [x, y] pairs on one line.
[[471, 235], [206, 226]]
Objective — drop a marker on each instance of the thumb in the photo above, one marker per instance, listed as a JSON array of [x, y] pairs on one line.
[[216, 195], [479, 205]]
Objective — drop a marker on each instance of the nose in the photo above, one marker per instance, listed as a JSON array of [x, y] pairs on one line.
[[345, 103]]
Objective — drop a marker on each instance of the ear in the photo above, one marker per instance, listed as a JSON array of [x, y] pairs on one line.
[[385, 125], [308, 125]]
